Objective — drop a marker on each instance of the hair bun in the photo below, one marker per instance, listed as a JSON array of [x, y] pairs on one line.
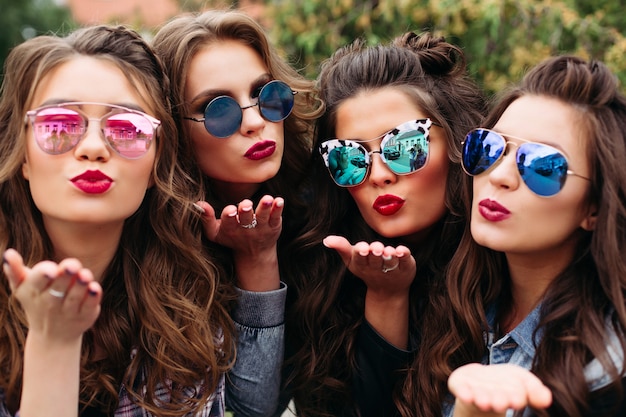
[[436, 56]]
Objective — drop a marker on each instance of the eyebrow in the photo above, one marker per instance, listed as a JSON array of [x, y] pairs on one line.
[[216, 92]]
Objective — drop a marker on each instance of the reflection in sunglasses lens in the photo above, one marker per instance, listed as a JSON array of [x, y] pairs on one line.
[[129, 134], [276, 101], [222, 117], [347, 165], [542, 168]]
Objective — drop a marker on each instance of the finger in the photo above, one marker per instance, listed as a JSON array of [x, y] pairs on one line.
[[376, 249], [91, 303], [246, 214], [67, 273], [13, 267], [264, 209], [229, 220], [390, 261], [341, 245], [78, 290], [361, 254], [406, 262], [210, 223], [539, 396], [276, 217]]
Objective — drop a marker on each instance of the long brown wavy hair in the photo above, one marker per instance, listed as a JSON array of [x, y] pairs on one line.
[[584, 297], [161, 297], [327, 302]]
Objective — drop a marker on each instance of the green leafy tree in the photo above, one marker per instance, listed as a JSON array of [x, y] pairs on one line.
[[23, 19], [501, 38]]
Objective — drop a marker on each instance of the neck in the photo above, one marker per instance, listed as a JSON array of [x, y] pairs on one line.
[[93, 245], [233, 193], [531, 275]]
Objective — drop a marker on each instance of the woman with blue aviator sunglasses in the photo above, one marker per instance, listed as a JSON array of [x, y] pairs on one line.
[[246, 116], [537, 287]]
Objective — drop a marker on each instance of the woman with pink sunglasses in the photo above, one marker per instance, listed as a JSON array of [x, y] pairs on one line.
[[109, 303], [537, 287]]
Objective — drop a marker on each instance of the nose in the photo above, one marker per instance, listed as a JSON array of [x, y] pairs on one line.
[[380, 174], [92, 145], [251, 120], [505, 173]]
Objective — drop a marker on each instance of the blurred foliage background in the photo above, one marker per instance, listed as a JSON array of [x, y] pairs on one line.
[[501, 38]]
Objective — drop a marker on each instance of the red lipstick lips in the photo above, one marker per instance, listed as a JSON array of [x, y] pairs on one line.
[[388, 204], [261, 150], [92, 182], [493, 211]]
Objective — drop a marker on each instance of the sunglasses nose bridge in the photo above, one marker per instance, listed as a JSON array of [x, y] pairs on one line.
[[379, 171], [93, 139]]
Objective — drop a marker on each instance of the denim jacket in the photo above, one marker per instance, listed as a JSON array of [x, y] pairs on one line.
[[518, 348], [253, 385]]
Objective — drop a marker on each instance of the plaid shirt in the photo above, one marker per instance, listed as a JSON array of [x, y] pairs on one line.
[[213, 408]]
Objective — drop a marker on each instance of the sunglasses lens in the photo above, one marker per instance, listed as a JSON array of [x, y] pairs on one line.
[[276, 101], [482, 148], [222, 117], [406, 151], [129, 134], [57, 130], [542, 168], [347, 164]]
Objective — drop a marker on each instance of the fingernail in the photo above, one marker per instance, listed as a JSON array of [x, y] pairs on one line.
[[92, 292], [4, 260], [246, 209], [70, 272], [198, 208], [280, 203], [387, 257], [48, 277], [267, 203]]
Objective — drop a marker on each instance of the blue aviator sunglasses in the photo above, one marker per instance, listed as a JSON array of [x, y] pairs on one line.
[[223, 115], [542, 168]]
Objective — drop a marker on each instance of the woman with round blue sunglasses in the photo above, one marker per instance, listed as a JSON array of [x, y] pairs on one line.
[[245, 134], [536, 290]]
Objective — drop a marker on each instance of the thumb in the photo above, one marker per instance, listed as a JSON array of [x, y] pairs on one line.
[[341, 245]]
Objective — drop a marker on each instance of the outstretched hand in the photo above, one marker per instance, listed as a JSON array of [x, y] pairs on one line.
[[243, 229], [252, 234], [61, 301], [384, 269], [490, 390], [388, 273]]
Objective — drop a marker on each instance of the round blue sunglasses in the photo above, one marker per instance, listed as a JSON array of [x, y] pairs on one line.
[[542, 167], [223, 115]]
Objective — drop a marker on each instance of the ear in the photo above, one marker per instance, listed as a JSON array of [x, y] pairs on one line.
[[589, 222], [26, 170]]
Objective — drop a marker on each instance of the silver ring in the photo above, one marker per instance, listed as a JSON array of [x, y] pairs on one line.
[[55, 293], [385, 269], [251, 225]]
